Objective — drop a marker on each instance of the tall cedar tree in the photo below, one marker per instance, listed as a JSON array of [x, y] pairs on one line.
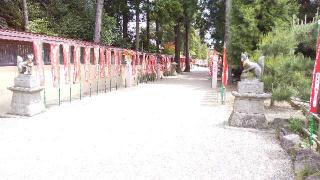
[[97, 29], [25, 15]]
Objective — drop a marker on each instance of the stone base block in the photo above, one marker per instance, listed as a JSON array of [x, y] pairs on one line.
[[27, 110], [248, 120], [249, 105], [26, 101], [253, 86], [26, 81]]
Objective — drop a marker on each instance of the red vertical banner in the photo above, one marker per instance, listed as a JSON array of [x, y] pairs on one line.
[[115, 54], [134, 59], [119, 62], [66, 63], [168, 63], [115, 60], [151, 63], [162, 63], [210, 67], [138, 58], [148, 64], [313, 105], [144, 64], [86, 59], [77, 64], [37, 51], [108, 62], [102, 62], [225, 68], [96, 61], [54, 59], [154, 64]]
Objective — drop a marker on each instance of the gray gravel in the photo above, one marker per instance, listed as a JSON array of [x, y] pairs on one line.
[[173, 129]]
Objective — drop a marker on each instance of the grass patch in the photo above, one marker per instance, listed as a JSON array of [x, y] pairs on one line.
[[303, 173], [295, 125]]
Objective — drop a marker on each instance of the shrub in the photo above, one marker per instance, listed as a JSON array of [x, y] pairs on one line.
[[296, 124], [288, 75], [279, 41], [282, 93], [288, 72]]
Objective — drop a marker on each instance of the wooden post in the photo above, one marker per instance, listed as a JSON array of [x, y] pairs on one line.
[[305, 19], [70, 92], [110, 84]]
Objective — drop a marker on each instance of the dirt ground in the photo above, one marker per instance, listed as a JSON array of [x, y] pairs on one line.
[[167, 130]]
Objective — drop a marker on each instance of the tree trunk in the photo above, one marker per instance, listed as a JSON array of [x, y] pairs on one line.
[[137, 24], [177, 46], [148, 26], [157, 35], [25, 15], [227, 25], [125, 21], [186, 44], [97, 28]]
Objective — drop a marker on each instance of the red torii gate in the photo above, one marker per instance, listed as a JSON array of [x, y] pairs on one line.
[[11, 35]]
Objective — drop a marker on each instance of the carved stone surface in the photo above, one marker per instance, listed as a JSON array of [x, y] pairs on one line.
[[248, 120], [26, 97], [26, 81], [248, 109], [253, 86]]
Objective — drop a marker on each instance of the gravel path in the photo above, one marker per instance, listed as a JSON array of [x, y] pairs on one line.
[[172, 129]]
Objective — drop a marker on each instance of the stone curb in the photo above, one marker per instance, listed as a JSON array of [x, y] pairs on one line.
[[305, 161]]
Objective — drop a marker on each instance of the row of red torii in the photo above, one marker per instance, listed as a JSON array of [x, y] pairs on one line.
[[102, 61], [104, 57]]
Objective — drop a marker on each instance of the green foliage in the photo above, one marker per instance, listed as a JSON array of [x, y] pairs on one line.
[[76, 19], [211, 20], [303, 173], [167, 11], [279, 41], [308, 8], [41, 26], [74, 26], [72, 19], [198, 49], [109, 31], [282, 93], [289, 51], [252, 19], [306, 35], [288, 75], [11, 11], [296, 124]]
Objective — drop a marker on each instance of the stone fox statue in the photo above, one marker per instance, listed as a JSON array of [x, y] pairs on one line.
[[25, 67], [249, 66]]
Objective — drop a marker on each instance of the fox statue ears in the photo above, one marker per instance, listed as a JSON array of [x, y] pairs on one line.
[[244, 56], [19, 59]]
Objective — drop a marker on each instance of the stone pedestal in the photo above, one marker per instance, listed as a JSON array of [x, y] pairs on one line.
[[26, 97], [248, 109], [173, 70]]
